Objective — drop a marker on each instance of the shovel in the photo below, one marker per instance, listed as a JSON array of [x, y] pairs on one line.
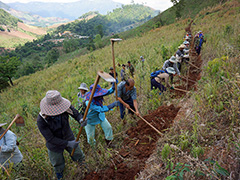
[[107, 78], [19, 122]]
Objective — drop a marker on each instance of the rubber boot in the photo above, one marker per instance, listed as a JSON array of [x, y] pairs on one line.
[[59, 176], [109, 143]]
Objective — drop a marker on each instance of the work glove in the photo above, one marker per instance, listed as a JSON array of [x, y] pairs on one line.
[[83, 123], [73, 144], [113, 84], [111, 106]]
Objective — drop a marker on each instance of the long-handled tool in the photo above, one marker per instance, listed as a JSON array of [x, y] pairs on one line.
[[188, 79], [114, 68], [180, 90], [121, 101], [107, 78], [146, 122], [193, 65], [19, 122]]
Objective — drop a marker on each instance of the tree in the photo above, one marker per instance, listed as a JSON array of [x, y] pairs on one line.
[[98, 41], [70, 45], [52, 56], [179, 5], [8, 67]]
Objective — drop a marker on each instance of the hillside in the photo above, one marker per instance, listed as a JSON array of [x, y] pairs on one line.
[[185, 9], [14, 31], [202, 142]]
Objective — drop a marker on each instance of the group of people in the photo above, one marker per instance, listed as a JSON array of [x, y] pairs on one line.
[[53, 119], [173, 66]]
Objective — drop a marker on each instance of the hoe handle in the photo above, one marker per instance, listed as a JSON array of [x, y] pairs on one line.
[[146, 122], [16, 117], [114, 68], [86, 111]]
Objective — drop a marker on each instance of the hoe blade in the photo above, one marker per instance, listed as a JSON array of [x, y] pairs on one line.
[[115, 40], [107, 77]]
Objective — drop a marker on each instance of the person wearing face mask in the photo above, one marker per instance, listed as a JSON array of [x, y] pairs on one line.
[[127, 96]]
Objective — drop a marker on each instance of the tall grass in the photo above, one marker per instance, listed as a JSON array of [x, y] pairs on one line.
[[25, 96]]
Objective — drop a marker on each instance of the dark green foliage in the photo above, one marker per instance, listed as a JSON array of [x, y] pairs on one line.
[[2, 29], [52, 56], [70, 45], [7, 19], [8, 67]]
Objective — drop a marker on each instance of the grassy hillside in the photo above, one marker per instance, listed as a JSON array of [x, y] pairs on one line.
[[187, 9], [14, 32], [7, 19], [212, 126]]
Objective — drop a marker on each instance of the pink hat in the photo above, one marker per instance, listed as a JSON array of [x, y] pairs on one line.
[[54, 104]]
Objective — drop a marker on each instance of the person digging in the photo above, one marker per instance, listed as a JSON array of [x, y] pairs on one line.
[[9, 151], [172, 62], [96, 115], [162, 77], [82, 97], [53, 123], [127, 96]]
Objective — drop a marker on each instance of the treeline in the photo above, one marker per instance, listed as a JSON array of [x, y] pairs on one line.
[[8, 20], [113, 22], [45, 51]]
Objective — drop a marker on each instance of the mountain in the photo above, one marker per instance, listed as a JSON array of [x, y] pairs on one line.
[[33, 19], [202, 141], [14, 32], [70, 10]]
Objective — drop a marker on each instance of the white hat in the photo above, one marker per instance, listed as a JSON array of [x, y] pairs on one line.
[[173, 59], [170, 70], [83, 86], [2, 124], [181, 46]]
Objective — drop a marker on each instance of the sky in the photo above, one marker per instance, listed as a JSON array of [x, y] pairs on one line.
[[155, 4]]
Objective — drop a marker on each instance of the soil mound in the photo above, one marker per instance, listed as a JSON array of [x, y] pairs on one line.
[[138, 146]]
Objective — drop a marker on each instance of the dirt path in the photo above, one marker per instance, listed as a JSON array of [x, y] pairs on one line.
[[141, 140]]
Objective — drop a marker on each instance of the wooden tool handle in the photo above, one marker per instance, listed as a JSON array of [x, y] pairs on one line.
[[16, 117], [86, 111]]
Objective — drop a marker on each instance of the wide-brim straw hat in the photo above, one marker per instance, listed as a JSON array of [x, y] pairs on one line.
[[83, 86], [98, 92], [54, 104], [173, 59], [182, 46], [170, 70], [2, 124]]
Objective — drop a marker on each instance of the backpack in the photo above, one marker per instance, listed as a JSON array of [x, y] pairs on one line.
[[155, 73]]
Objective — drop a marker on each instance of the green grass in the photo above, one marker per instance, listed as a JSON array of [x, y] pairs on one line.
[[25, 96]]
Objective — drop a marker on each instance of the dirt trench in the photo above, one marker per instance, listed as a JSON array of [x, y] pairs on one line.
[[141, 140]]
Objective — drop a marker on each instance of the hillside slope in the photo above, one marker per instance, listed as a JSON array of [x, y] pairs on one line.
[[205, 138], [14, 31]]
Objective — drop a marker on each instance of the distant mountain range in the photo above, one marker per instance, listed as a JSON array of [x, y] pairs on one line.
[[31, 18], [71, 10]]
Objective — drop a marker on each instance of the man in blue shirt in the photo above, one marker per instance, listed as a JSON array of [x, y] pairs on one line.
[[127, 95]]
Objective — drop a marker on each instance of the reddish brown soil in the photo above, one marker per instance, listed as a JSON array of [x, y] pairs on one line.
[[141, 140], [138, 146]]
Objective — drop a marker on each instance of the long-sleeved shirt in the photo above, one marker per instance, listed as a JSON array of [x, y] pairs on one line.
[[9, 148], [56, 129], [123, 94], [96, 113], [123, 75], [167, 64], [164, 76]]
